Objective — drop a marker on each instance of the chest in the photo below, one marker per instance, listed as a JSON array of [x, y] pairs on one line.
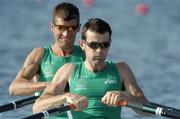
[[95, 85]]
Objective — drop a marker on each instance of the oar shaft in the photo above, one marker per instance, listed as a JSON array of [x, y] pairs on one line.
[[26, 101], [17, 104], [165, 107], [6, 107], [45, 114], [152, 109], [155, 110]]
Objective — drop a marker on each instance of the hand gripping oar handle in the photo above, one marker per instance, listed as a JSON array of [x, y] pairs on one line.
[[151, 109], [45, 114], [17, 104]]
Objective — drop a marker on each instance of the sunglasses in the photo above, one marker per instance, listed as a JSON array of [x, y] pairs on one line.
[[69, 28], [96, 45]]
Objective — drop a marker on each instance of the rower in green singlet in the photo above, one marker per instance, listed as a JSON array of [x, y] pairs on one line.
[[96, 86], [42, 62], [50, 63]]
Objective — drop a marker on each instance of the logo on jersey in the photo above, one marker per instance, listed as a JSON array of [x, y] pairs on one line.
[[81, 84], [48, 69], [110, 81]]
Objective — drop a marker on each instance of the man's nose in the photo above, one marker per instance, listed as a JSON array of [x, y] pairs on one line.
[[99, 49], [66, 32]]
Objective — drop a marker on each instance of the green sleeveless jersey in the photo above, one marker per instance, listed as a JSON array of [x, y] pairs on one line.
[[51, 63], [94, 86]]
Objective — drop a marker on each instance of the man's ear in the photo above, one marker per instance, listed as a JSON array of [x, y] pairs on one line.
[[51, 26], [82, 44], [79, 26]]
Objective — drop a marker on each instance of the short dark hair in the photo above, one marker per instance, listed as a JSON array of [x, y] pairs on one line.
[[67, 11], [97, 25]]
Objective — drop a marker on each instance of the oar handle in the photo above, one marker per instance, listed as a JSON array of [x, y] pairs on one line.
[[6, 107], [26, 101], [17, 104], [45, 114], [72, 106], [151, 109]]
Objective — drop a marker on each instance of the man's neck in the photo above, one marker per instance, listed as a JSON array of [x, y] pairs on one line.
[[58, 51], [94, 67]]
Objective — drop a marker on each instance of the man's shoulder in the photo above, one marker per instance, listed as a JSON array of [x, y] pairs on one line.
[[68, 67], [77, 47], [37, 53], [119, 64], [77, 51], [38, 50]]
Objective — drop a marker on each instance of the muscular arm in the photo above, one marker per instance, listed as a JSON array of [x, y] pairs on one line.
[[23, 84], [131, 86], [133, 91], [53, 94]]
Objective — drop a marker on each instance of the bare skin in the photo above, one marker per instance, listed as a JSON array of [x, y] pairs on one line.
[[63, 45], [95, 61], [23, 83], [54, 92]]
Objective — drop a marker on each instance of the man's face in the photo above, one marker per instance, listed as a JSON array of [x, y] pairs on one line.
[[65, 32], [96, 46]]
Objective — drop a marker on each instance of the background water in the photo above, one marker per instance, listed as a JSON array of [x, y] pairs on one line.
[[149, 44]]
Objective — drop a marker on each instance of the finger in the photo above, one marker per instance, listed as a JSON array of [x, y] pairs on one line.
[[108, 98], [81, 102], [103, 99], [116, 98], [84, 104], [74, 99], [112, 98]]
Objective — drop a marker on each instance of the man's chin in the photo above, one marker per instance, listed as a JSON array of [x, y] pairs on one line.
[[66, 46], [99, 60]]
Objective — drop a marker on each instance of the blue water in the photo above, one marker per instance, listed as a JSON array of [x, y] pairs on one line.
[[149, 44]]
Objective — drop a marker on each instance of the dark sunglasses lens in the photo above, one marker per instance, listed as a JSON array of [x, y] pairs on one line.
[[74, 28], [105, 45], [93, 45], [61, 28]]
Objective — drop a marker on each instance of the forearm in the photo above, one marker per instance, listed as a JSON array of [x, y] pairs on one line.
[[141, 99], [48, 102], [23, 88]]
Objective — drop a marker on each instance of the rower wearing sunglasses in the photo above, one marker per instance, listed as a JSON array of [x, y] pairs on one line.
[[43, 62], [96, 85]]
